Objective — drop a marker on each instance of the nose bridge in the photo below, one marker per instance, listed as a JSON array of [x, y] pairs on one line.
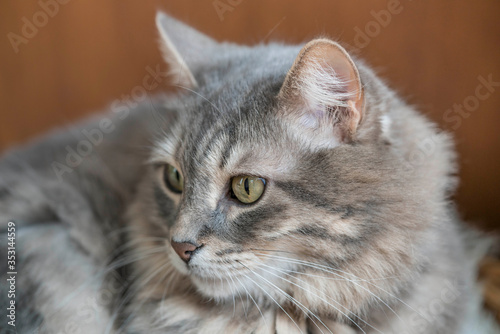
[[194, 224], [198, 208], [202, 188], [188, 224], [184, 229]]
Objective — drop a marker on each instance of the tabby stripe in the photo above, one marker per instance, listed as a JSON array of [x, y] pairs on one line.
[[226, 152], [322, 233], [263, 218], [298, 192]]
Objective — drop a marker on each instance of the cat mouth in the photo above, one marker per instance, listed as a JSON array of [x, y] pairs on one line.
[[210, 270], [223, 278]]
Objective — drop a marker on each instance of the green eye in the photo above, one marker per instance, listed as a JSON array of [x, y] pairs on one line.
[[173, 179], [248, 189]]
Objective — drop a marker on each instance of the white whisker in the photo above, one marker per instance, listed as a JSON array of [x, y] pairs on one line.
[[328, 269], [249, 295], [274, 300], [354, 314], [296, 302]]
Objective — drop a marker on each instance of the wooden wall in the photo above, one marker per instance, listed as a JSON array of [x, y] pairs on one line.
[[92, 52]]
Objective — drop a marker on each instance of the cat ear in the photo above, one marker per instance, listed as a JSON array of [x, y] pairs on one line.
[[183, 48], [322, 94]]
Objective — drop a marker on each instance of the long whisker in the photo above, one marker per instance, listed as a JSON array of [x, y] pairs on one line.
[[249, 295], [327, 269], [128, 259], [341, 279], [274, 300], [309, 285], [345, 272], [132, 243], [296, 302], [372, 284], [233, 292]]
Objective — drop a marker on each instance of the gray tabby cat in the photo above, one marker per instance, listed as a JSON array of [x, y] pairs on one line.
[[281, 195]]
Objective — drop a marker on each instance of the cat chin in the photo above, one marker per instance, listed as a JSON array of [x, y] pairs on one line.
[[226, 289], [218, 289]]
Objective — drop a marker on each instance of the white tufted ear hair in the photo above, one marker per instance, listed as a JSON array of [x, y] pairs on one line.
[[323, 94]]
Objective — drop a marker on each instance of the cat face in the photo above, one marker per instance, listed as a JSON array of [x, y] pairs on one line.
[[275, 179]]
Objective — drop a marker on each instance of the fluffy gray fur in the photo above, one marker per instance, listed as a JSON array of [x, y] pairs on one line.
[[351, 235]]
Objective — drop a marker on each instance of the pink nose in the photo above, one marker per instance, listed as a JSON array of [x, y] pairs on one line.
[[184, 250]]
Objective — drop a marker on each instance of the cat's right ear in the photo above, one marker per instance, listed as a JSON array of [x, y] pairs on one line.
[[183, 48], [322, 94]]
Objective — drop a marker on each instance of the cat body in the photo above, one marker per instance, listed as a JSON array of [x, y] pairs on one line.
[[353, 230]]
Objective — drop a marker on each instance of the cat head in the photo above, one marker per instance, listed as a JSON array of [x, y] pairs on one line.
[[278, 172]]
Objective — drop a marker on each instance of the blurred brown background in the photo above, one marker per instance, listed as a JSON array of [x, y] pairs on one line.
[[82, 55]]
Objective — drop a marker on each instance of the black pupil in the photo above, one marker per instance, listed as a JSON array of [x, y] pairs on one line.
[[247, 187], [177, 175]]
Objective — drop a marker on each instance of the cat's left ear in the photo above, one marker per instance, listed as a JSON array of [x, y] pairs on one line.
[[185, 49], [322, 94]]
